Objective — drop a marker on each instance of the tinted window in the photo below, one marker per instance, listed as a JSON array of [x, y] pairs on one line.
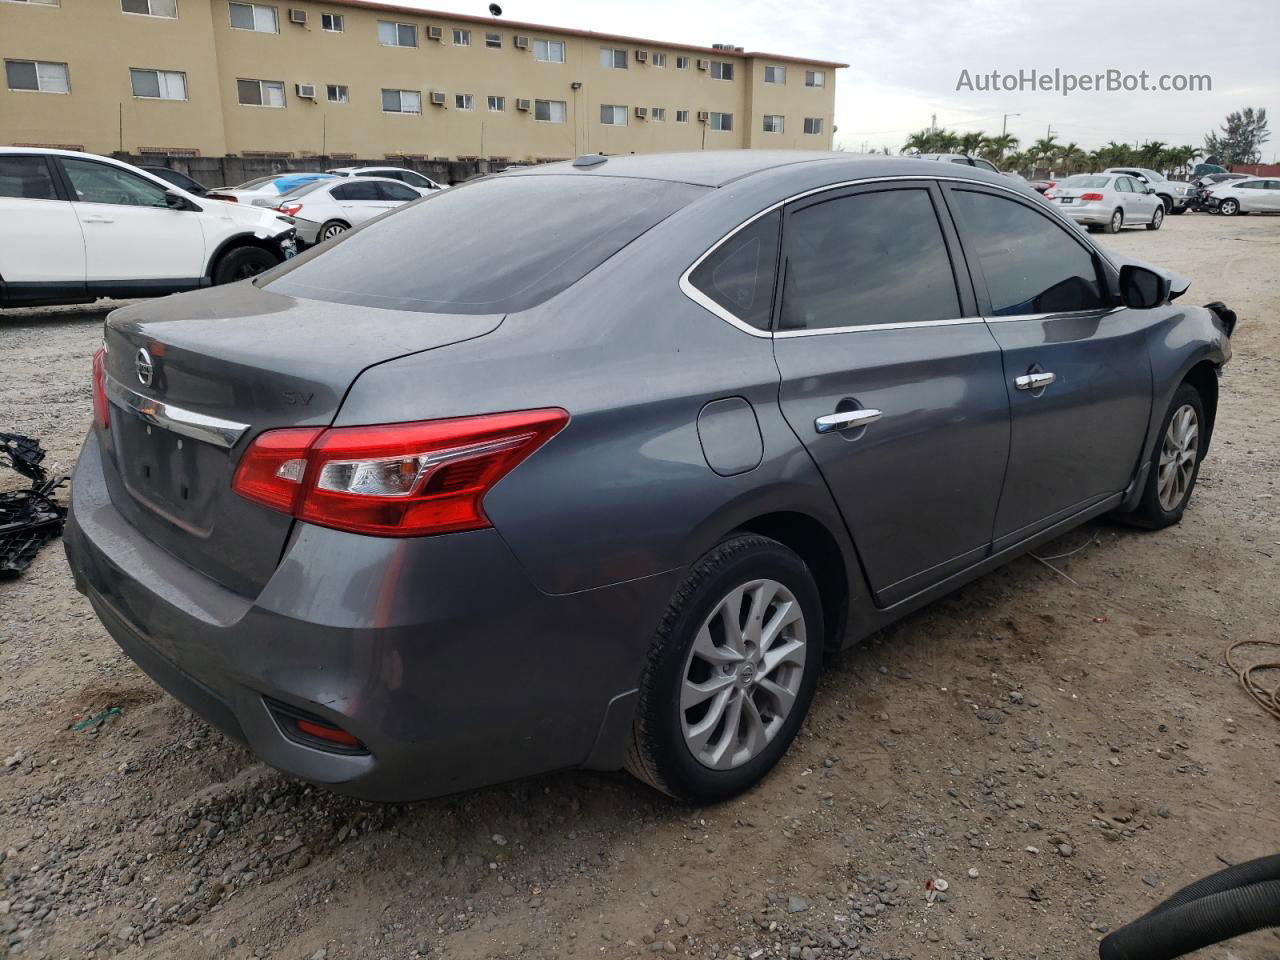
[[356, 190], [98, 183], [1031, 265], [866, 259], [496, 245], [396, 191], [739, 275], [26, 178], [983, 165]]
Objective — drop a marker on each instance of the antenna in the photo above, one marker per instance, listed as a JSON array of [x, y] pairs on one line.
[[495, 10]]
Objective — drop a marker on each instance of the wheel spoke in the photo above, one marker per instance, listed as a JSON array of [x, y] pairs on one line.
[[783, 698], [784, 615], [698, 734], [761, 595], [755, 735], [722, 754], [692, 694], [704, 647], [786, 651], [730, 613]]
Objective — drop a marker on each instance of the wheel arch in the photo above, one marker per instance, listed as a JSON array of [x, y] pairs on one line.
[[234, 242], [1204, 377]]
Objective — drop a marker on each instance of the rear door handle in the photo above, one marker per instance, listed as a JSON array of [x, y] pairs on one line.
[[1035, 381], [99, 220], [847, 420]]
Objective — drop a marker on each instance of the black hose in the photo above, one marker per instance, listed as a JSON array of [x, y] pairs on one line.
[[1241, 875], [1166, 934]]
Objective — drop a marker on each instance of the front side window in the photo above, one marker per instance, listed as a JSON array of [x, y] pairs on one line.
[[613, 58], [739, 275], [260, 93], [401, 101], [549, 111], [773, 123], [815, 78], [1030, 264], [332, 22], [722, 121], [398, 192], [26, 178], [461, 38], [813, 125], [356, 190], [158, 84], [721, 70], [548, 51], [99, 183], [463, 101], [775, 74], [151, 8], [493, 41], [392, 34], [613, 116], [254, 16], [497, 104], [869, 258], [37, 76], [336, 93]]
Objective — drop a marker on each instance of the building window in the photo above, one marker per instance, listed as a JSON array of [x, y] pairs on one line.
[[775, 74], [463, 101], [774, 123], [401, 101], [497, 104], [549, 111], [813, 125], [815, 78], [151, 8], [260, 93], [332, 22], [721, 70], [548, 51], [682, 63], [493, 41], [613, 58], [392, 34], [461, 38], [659, 114], [336, 93], [658, 59], [158, 84], [38, 3], [37, 76], [254, 16], [722, 121], [682, 116], [613, 116]]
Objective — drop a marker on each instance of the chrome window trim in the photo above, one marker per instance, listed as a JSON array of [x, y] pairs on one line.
[[702, 300], [187, 423]]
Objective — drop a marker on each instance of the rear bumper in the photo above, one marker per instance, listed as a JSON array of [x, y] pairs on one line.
[[437, 653], [1091, 215]]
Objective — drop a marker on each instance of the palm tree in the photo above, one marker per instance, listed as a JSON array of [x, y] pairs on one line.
[[997, 146], [972, 142], [919, 142], [948, 141], [1044, 149], [1149, 153], [1072, 157]]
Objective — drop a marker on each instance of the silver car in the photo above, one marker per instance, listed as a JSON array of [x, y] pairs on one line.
[[1252, 195], [1175, 194], [1107, 200]]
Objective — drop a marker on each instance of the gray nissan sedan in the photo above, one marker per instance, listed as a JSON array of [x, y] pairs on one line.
[[591, 464]]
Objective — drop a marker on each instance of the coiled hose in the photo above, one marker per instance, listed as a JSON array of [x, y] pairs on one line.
[[1235, 901]]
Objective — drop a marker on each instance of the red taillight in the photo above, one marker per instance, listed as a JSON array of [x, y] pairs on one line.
[[323, 731], [101, 412], [394, 480], [1087, 197], [289, 209]]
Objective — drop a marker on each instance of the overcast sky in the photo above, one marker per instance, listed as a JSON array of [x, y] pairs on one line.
[[906, 58]]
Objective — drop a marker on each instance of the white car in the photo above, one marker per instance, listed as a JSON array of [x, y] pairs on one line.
[[326, 208], [75, 227], [412, 177], [1252, 195], [270, 187], [1107, 200], [1174, 194]]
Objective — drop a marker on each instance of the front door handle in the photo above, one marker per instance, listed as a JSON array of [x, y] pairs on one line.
[[847, 420], [99, 220], [1034, 381]]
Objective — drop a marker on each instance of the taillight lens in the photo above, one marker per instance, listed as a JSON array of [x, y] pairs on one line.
[[101, 412], [289, 209], [1087, 197], [393, 480]]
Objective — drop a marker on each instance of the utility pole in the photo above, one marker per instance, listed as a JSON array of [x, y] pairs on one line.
[[1004, 124], [933, 123]]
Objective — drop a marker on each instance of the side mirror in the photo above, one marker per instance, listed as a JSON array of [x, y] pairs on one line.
[[1142, 289], [1151, 189], [176, 201]]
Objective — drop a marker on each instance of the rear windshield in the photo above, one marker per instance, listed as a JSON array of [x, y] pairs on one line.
[[497, 245], [1082, 180]]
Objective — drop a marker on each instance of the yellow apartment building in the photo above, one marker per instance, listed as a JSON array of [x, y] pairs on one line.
[[354, 78]]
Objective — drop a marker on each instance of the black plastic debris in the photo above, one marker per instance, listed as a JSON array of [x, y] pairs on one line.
[[28, 518]]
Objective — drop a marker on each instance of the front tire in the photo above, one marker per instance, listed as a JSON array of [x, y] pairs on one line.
[[1229, 207], [1166, 202], [1116, 221], [242, 263], [1178, 211], [731, 672], [1157, 219], [1175, 462]]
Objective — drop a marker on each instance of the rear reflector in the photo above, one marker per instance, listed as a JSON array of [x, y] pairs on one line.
[[101, 412], [393, 480], [322, 731], [1087, 197]]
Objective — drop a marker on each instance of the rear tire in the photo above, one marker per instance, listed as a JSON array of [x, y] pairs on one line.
[[1157, 218], [723, 694], [1116, 221], [241, 263], [1175, 462], [333, 228]]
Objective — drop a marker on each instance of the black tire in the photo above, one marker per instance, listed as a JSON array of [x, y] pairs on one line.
[[1168, 203], [241, 263], [1229, 207], [659, 753], [1116, 221], [1178, 211], [332, 229], [1151, 514], [1157, 219]]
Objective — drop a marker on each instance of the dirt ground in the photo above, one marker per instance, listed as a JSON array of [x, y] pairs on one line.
[[1064, 748]]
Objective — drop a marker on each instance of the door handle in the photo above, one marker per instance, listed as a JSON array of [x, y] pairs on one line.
[[1034, 381], [98, 220], [847, 420]]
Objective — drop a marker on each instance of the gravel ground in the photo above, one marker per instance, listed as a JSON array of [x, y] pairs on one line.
[[1064, 749]]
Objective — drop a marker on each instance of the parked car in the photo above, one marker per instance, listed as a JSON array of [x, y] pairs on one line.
[[1107, 200], [270, 188], [964, 159], [178, 179], [1251, 195], [412, 177], [1174, 194], [464, 496], [1042, 186], [324, 209], [1198, 199], [75, 227]]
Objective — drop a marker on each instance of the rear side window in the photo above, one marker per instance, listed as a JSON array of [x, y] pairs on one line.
[[739, 274], [26, 178], [497, 245], [869, 258], [1031, 265], [397, 191], [356, 190]]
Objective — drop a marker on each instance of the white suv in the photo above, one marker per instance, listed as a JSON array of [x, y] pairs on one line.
[[75, 227], [412, 177]]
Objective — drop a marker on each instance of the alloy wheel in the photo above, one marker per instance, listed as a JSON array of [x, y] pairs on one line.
[[1178, 457], [743, 674], [1117, 221], [332, 231]]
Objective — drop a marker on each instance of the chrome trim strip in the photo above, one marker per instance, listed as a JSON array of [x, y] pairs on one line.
[[904, 325], [702, 300], [1044, 316], [188, 423]]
